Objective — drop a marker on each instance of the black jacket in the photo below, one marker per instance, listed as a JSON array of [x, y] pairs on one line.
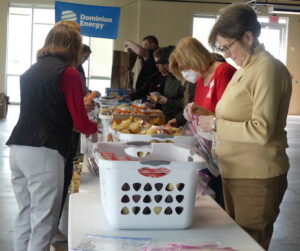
[[44, 119], [189, 93], [156, 83], [148, 68], [173, 90]]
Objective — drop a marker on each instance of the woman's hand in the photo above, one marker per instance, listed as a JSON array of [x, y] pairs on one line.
[[189, 110], [206, 123], [162, 99], [94, 137], [148, 105], [194, 109], [172, 122], [89, 106]]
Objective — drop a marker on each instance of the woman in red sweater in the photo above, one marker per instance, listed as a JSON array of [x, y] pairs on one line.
[[51, 106], [192, 62]]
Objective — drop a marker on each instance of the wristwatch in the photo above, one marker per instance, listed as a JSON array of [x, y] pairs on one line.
[[213, 124]]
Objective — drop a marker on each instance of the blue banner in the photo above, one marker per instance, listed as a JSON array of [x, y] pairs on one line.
[[94, 21]]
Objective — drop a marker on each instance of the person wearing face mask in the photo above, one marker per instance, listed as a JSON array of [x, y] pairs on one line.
[[189, 93], [192, 62], [250, 120]]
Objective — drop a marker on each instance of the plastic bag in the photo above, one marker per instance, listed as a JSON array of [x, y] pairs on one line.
[[204, 246], [206, 144], [203, 183], [92, 242]]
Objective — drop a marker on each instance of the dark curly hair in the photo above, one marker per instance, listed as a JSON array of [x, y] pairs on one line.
[[152, 39]]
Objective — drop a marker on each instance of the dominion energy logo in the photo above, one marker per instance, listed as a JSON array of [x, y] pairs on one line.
[[96, 22], [68, 15]]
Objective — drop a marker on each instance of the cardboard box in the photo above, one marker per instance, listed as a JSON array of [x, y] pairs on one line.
[[121, 74]]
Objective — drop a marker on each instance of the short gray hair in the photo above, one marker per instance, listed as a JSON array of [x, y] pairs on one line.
[[234, 21]]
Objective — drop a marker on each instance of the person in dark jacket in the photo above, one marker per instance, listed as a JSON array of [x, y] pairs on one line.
[[172, 99], [51, 106], [156, 82], [188, 97], [84, 55], [145, 58]]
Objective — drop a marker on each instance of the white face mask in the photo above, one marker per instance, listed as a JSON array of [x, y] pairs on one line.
[[191, 75]]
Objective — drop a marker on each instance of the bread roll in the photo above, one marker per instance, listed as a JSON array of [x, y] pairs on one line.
[[135, 127]]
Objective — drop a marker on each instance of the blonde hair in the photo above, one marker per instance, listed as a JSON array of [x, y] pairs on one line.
[[190, 54], [63, 40], [71, 24]]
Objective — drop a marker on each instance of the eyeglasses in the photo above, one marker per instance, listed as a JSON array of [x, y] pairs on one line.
[[226, 48]]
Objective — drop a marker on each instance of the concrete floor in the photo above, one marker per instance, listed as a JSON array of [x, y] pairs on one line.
[[286, 235], [8, 205]]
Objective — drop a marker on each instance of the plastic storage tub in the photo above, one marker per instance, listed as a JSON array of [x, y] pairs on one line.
[[154, 192]]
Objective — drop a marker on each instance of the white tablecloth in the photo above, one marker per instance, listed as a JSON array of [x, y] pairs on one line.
[[211, 223]]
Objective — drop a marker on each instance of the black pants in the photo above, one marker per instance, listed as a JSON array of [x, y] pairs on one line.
[[69, 166], [215, 184]]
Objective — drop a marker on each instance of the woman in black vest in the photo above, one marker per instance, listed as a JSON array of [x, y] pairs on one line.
[[51, 106]]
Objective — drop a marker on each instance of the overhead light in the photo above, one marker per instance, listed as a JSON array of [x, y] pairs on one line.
[[270, 9], [264, 8], [286, 11]]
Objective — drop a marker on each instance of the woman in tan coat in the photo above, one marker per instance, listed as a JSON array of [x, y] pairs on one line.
[[250, 120]]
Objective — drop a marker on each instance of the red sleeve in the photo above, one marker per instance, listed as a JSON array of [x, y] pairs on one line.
[[224, 75], [71, 87]]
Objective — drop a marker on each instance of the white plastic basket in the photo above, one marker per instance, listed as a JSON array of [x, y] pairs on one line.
[[134, 200], [163, 138]]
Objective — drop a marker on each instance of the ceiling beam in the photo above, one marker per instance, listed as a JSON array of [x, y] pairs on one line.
[[264, 2]]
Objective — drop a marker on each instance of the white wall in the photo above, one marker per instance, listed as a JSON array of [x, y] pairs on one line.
[[128, 23], [169, 21]]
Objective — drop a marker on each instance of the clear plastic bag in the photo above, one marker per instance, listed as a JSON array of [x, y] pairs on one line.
[[206, 144], [204, 246], [203, 183], [92, 242]]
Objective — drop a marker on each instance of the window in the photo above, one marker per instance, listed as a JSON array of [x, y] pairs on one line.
[[202, 25], [273, 35], [27, 30], [98, 67]]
